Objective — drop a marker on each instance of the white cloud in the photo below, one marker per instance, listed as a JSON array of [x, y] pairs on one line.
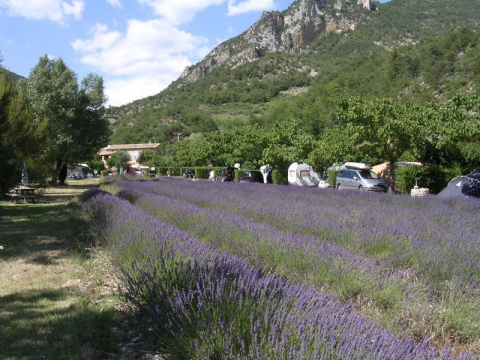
[[115, 3], [248, 6], [124, 91], [54, 10], [102, 40], [141, 62], [179, 11]]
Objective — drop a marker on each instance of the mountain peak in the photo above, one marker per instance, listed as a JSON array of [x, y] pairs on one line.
[[286, 31]]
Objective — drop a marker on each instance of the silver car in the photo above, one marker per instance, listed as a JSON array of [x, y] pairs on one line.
[[361, 180]]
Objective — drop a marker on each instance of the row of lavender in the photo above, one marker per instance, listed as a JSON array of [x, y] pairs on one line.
[[413, 261], [202, 303], [441, 237]]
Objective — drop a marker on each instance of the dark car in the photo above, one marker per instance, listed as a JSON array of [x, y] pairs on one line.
[[252, 176], [226, 173], [189, 174]]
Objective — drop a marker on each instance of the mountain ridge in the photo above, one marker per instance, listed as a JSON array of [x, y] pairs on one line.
[[286, 31]]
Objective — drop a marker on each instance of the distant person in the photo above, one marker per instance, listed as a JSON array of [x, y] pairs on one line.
[[168, 172], [269, 177]]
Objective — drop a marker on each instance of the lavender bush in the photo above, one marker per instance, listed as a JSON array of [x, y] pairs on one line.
[[415, 245], [203, 303]]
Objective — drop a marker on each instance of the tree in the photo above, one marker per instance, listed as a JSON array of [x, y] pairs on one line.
[[68, 119], [286, 144], [335, 146], [96, 163], [119, 159], [241, 144], [384, 128], [16, 135]]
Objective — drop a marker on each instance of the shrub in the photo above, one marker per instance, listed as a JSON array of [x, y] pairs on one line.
[[238, 174], [162, 170], [405, 178], [332, 178], [202, 172], [90, 193], [279, 177]]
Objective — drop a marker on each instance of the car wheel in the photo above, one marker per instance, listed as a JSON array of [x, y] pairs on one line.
[[361, 188], [339, 187]]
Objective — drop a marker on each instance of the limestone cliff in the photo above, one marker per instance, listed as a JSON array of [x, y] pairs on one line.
[[287, 31]]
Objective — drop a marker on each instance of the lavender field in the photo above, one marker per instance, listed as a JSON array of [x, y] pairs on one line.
[[254, 271]]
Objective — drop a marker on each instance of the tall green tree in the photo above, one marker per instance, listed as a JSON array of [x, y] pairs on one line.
[[68, 117], [384, 128], [119, 159], [16, 134], [287, 143], [241, 144], [334, 147]]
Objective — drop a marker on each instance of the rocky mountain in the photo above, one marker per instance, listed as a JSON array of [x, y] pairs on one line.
[[289, 31]]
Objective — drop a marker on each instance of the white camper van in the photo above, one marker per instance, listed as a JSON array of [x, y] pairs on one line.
[[302, 175]]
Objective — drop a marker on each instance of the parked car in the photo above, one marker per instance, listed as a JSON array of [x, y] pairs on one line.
[[76, 176], [361, 179], [226, 173], [252, 176], [189, 174]]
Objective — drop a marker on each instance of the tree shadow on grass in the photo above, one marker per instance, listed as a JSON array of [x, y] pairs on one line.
[[47, 324], [31, 231]]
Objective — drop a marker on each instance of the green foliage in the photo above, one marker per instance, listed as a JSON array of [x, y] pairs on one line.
[[69, 121], [96, 163], [405, 178], [280, 176], [334, 147], [202, 172], [16, 133], [332, 178], [286, 144], [435, 178], [119, 159], [162, 170], [238, 174]]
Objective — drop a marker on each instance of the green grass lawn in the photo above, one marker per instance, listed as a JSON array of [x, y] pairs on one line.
[[56, 298]]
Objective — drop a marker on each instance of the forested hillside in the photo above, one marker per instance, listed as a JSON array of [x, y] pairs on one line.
[[403, 49]]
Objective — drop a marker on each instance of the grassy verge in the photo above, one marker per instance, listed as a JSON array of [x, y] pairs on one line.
[[56, 299]]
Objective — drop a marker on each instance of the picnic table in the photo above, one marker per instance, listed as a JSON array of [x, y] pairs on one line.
[[23, 193]]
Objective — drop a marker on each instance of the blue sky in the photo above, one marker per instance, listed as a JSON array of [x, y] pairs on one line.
[[138, 46]]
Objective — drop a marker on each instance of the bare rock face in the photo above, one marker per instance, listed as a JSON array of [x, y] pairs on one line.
[[287, 31]]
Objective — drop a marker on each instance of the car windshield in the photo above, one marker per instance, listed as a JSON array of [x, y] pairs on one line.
[[365, 174]]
